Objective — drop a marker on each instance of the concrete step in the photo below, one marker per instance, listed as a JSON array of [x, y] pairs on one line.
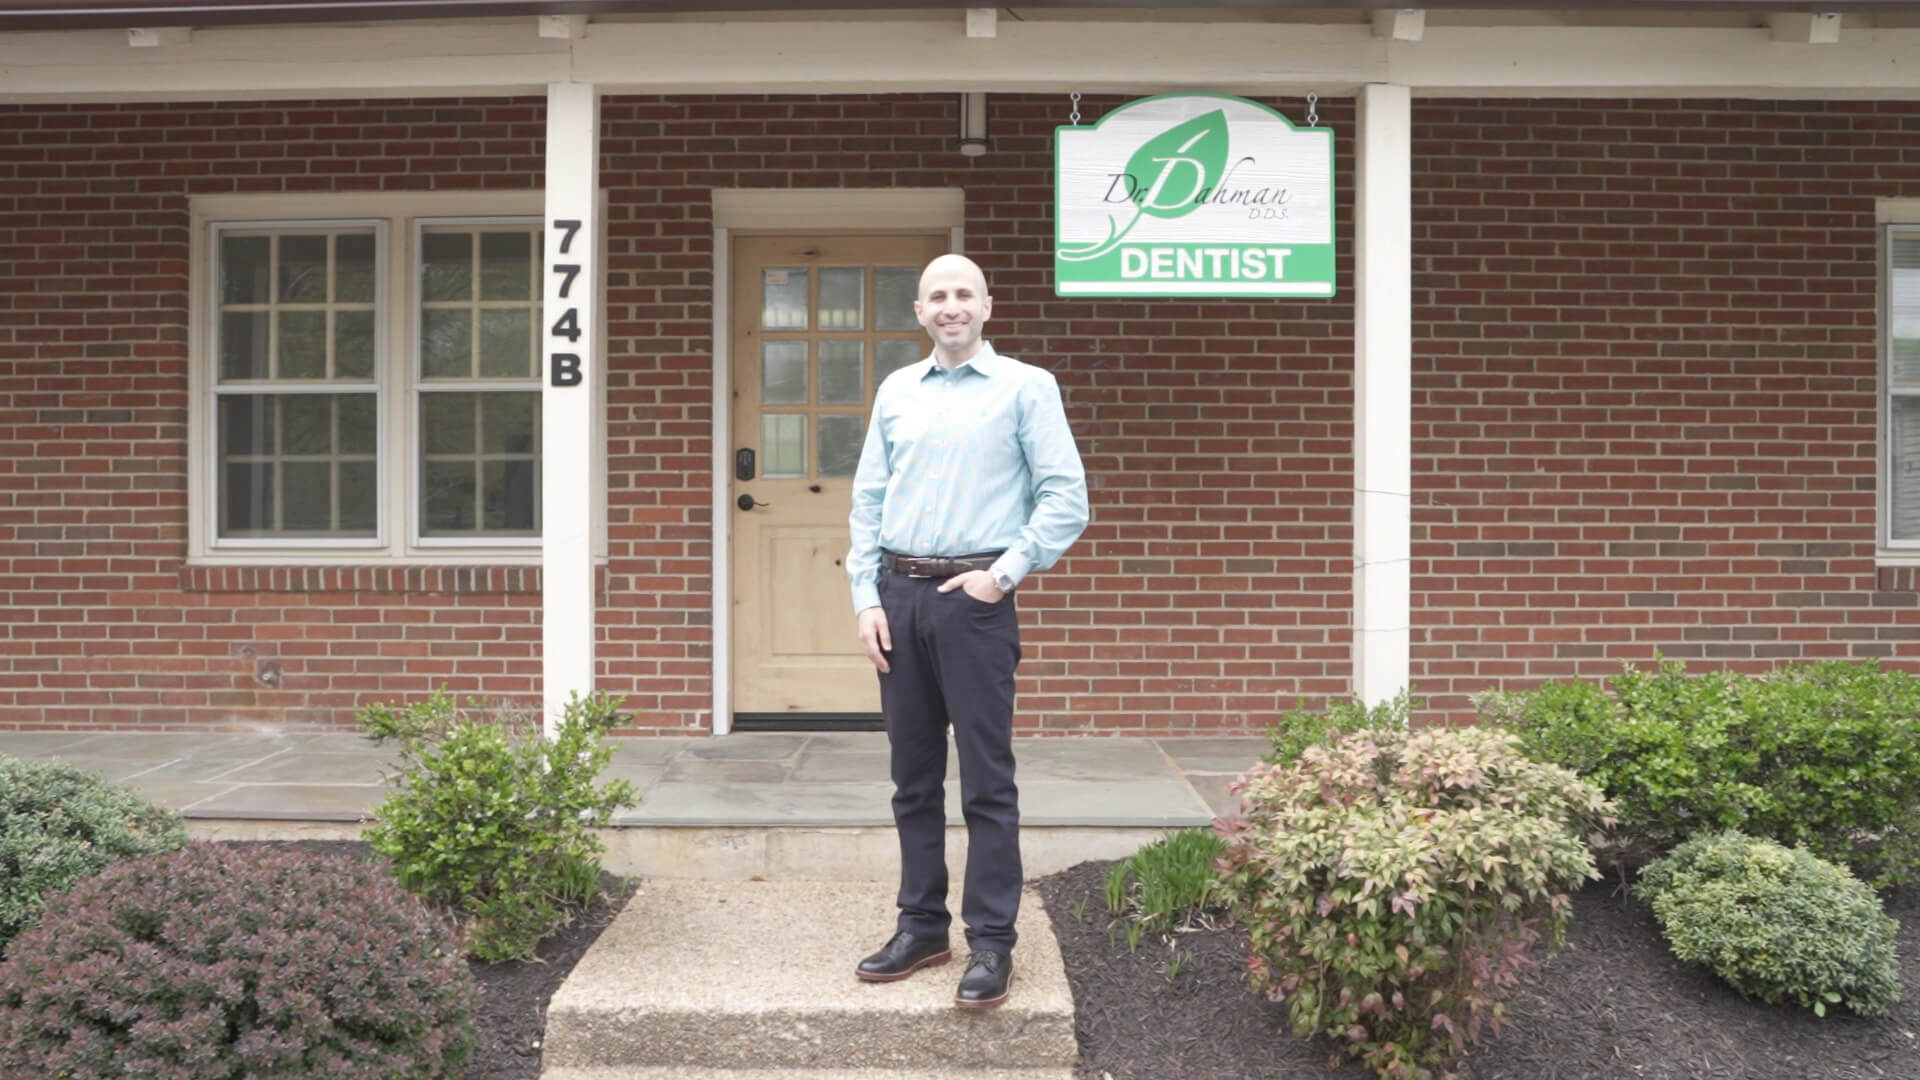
[[755, 975]]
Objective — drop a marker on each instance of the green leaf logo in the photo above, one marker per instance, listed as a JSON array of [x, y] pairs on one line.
[[1176, 168]]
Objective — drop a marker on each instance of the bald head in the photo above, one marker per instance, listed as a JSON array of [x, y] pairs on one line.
[[953, 307], [951, 265]]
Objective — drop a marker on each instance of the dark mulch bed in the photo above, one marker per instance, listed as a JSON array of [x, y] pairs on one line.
[[1613, 1004], [512, 1015]]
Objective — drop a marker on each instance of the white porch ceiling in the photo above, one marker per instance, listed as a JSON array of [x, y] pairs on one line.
[[1551, 55]]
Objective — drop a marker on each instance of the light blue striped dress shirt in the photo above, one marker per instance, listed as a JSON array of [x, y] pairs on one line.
[[975, 459]]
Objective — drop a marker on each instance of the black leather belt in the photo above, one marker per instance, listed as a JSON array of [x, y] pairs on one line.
[[935, 566]]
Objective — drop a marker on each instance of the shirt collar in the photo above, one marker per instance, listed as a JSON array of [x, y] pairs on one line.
[[986, 362]]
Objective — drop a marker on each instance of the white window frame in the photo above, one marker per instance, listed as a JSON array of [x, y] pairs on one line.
[[399, 219], [1902, 217]]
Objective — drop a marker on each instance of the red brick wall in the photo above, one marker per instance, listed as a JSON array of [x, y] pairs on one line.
[[1645, 387], [1643, 411]]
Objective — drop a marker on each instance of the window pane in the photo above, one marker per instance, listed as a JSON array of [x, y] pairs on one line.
[[246, 498], [481, 464], [446, 344], [447, 494], [303, 269], [506, 266], [1904, 425], [840, 445], [842, 363], [309, 496], [306, 424], [303, 345], [891, 356], [843, 292], [1903, 303], [506, 344], [280, 457], [243, 269], [783, 445], [243, 344], [783, 372], [509, 423], [446, 266], [246, 425], [353, 344], [447, 423], [353, 268], [783, 298], [894, 290], [509, 497], [359, 496], [357, 429]]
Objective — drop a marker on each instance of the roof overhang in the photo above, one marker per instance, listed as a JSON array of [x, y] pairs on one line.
[[1269, 48], [69, 14]]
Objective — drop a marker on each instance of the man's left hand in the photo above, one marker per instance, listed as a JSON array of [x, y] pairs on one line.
[[979, 585]]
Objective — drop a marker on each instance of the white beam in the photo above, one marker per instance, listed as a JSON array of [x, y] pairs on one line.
[[155, 37], [983, 22], [563, 27], [1403, 24], [571, 358], [1805, 28], [481, 57], [1383, 394]]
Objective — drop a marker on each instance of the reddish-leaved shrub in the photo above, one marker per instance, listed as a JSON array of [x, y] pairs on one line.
[[221, 961]]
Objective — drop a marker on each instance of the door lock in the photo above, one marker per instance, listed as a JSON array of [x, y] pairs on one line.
[[748, 502]]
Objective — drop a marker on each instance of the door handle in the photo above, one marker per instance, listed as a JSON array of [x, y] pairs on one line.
[[748, 502]]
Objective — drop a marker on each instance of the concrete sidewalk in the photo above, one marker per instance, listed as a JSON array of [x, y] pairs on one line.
[[828, 779]]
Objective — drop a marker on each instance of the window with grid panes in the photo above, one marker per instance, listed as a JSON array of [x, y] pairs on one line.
[[320, 346], [1902, 411]]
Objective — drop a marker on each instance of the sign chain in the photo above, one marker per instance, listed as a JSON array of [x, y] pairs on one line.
[[1313, 109], [1074, 119]]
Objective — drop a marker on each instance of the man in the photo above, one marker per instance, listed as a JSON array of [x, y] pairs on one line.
[[968, 481]]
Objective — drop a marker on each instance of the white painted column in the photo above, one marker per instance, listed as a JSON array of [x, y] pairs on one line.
[[1383, 395], [570, 369]]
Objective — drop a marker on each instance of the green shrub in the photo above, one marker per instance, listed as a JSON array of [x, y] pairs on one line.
[[59, 825], [1777, 923], [220, 963], [497, 825], [1302, 728], [1166, 884], [1394, 883], [1822, 756]]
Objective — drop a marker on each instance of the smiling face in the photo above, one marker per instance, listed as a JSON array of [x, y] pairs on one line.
[[953, 307]]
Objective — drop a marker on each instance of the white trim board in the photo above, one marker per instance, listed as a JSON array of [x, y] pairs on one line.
[[495, 57], [786, 210]]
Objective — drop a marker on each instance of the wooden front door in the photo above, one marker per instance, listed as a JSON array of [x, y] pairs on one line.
[[818, 321]]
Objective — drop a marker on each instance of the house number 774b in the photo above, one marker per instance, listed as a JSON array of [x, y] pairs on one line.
[[564, 367]]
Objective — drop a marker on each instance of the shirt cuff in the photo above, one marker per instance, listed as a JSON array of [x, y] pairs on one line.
[[864, 597], [1014, 565]]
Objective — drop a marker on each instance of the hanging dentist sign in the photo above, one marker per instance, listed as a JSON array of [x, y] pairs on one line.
[[1193, 195]]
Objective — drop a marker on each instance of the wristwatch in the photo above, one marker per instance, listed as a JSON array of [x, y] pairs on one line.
[[1001, 581]]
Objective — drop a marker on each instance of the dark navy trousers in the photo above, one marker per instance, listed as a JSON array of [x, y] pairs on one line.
[[953, 660]]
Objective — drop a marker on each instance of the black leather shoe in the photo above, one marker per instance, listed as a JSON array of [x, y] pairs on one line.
[[902, 956], [985, 984]]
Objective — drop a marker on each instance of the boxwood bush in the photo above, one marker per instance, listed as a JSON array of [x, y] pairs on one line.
[[1777, 923], [1302, 727], [1820, 756], [494, 821], [217, 962], [59, 824], [1394, 885]]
